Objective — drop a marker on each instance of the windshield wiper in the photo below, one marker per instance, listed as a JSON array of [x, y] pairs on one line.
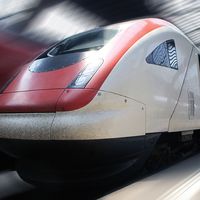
[[82, 49]]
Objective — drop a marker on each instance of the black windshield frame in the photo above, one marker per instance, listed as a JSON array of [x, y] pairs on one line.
[[94, 39]]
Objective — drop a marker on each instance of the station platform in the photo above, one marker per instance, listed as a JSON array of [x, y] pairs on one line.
[[181, 181], [178, 182]]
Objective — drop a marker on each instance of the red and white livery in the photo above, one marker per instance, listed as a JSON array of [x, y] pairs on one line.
[[101, 98]]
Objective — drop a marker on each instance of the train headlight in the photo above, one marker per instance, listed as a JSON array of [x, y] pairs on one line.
[[86, 74]]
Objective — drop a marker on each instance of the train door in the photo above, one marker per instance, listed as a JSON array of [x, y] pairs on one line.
[[186, 115]]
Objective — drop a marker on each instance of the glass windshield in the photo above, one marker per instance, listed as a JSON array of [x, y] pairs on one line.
[[86, 41]]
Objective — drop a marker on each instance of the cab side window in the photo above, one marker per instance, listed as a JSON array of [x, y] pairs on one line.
[[164, 55]]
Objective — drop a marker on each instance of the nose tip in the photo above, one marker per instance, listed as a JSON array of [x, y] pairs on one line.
[[29, 101]]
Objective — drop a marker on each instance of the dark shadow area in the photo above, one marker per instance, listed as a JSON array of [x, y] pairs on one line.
[[115, 11]]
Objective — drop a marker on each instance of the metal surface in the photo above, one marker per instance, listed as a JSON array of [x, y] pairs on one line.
[[26, 126], [155, 86], [81, 124]]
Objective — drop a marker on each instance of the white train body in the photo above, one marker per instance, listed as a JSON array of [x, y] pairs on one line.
[[146, 85], [138, 98], [161, 96]]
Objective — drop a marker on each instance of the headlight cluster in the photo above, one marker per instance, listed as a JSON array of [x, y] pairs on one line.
[[86, 74]]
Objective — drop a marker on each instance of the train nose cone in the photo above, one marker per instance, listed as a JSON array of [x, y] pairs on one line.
[[30, 101], [47, 73], [39, 85]]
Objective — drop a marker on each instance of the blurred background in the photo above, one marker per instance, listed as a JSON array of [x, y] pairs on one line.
[[29, 27]]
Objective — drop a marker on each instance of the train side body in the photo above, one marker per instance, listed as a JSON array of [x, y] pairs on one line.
[[186, 115], [163, 90]]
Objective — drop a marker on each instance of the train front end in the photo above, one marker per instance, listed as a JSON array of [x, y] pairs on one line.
[[58, 123]]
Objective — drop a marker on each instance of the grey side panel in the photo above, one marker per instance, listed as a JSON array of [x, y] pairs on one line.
[[30, 126]]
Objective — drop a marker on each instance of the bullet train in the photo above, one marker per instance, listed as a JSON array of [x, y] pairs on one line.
[[99, 101]]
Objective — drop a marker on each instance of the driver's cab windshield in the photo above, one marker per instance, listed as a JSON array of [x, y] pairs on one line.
[[91, 40]]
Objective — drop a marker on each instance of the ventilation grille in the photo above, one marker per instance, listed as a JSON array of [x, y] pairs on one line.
[[191, 107]]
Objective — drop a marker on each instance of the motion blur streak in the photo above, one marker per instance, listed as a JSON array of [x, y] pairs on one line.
[[63, 20], [10, 8], [180, 182], [11, 184], [183, 13]]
